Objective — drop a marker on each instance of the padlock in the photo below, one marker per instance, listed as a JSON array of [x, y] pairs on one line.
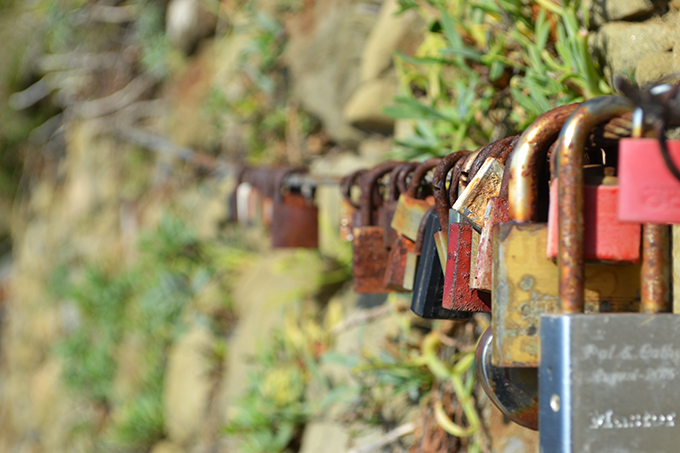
[[401, 270], [369, 259], [496, 212], [392, 199], [412, 204], [525, 281], [429, 281], [349, 209], [442, 202], [457, 294], [606, 237], [295, 218], [485, 181], [607, 383]]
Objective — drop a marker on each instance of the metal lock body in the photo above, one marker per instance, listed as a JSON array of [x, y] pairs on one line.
[[349, 209], [410, 208], [295, 219], [609, 383], [429, 280], [369, 257], [606, 237], [648, 192], [457, 294]]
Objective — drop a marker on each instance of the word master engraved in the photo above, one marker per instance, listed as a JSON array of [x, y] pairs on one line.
[[609, 383]]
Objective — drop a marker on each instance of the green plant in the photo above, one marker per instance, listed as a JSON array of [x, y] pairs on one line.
[[487, 68], [148, 302]]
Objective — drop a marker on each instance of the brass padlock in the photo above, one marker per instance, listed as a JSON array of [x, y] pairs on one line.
[[525, 281], [369, 258], [392, 200]]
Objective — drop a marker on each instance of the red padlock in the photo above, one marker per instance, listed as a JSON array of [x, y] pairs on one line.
[[648, 192], [457, 294], [606, 237]]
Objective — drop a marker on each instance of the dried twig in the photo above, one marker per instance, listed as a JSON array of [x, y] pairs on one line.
[[385, 439], [122, 98]]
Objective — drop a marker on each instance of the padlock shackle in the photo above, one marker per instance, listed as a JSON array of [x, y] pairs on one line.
[[422, 229], [367, 183], [500, 149], [526, 161], [398, 179], [347, 183], [571, 142], [280, 176], [458, 170], [441, 195], [419, 174]]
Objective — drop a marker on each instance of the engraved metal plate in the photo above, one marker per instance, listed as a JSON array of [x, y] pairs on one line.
[[609, 383]]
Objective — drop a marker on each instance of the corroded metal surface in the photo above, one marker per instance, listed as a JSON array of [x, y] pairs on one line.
[[485, 184], [570, 188], [457, 292], [295, 223], [391, 201], [412, 258], [442, 201], [369, 258], [496, 212], [656, 262], [396, 264], [513, 390], [367, 183], [525, 286], [527, 158]]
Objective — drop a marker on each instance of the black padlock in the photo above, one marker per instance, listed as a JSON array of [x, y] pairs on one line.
[[429, 284]]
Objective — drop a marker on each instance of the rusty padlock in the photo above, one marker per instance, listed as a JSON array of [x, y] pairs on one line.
[[442, 202], [349, 209], [396, 180], [457, 294], [486, 174], [413, 204], [295, 218], [369, 259], [525, 280]]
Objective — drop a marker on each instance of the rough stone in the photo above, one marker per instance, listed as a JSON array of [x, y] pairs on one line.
[[364, 109], [618, 10], [622, 45], [324, 52], [187, 385], [655, 66], [392, 32]]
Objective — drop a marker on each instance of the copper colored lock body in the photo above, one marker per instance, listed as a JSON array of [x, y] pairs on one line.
[[606, 238], [369, 257], [295, 219], [648, 192]]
